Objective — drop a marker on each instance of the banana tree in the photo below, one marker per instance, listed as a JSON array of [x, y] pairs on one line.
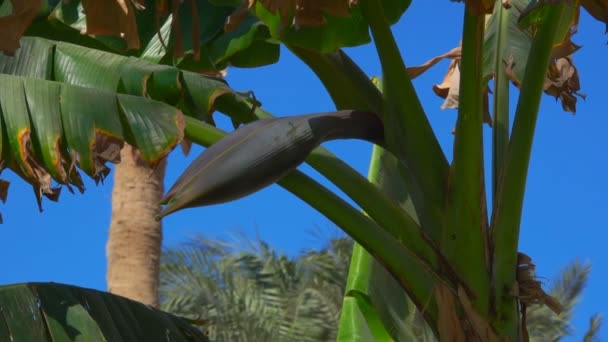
[[135, 236], [427, 247], [93, 120], [426, 244]]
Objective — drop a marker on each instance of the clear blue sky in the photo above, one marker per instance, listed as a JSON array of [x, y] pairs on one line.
[[564, 214]]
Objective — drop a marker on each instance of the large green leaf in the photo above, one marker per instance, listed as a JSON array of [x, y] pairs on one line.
[[72, 64], [90, 132], [247, 46], [337, 32], [45, 137], [57, 312]]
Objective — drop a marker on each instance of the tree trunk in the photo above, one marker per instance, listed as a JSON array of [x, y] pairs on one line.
[[134, 245]]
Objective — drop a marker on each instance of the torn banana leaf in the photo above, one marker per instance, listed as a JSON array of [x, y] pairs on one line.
[[260, 153], [50, 127]]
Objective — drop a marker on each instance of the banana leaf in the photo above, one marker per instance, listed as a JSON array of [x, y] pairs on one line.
[[56, 312]]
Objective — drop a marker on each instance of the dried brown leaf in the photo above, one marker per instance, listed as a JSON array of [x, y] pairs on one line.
[[239, 14], [13, 26], [33, 172], [416, 71], [178, 49], [4, 190], [186, 146], [112, 18], [529, 290], [598, 9], [448, 323], [479, 325], [480, 6], [196, 31], [300, 13], [449, 88], [563, 82]]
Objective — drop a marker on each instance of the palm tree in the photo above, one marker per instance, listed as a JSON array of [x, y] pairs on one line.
[[458, 266], [134, 242], [253, 294], [135, 65]]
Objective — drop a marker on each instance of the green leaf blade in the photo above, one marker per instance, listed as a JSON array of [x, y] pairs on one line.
[[51, 312]]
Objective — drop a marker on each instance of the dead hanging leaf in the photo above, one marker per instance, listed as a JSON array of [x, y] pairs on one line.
[[479, 325], [480, 6], [529, 290], [106, 148], [457, 319], [196, 31], [598, 9], [234, 20], [4, 190], [449, 89], [113, 18], [312, 12], [178, 48], [31, 170], [416, 71], [562, 81], [14, 25], [448, 324], [298, 13]]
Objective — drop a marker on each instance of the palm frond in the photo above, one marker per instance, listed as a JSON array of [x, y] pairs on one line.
[[595, 323], [543, 324], [249, 292]]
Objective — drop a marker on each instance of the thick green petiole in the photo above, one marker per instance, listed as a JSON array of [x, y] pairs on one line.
[[386, 248], [407, 129], [464, 235], [512, 182], [376, 204], [500, 122]]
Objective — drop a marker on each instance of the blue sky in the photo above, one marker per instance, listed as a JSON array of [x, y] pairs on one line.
[[563, 217]]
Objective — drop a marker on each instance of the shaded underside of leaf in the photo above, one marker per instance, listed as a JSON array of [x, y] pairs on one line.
[[598, 9], [116, 18], [328, 26], [13, 25], [56, 312], [192, 36]]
